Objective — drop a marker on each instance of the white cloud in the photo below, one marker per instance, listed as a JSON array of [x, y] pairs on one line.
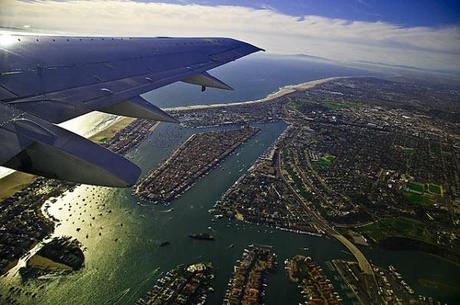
[[423, 47]]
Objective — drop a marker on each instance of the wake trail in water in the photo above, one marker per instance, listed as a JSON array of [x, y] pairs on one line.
[[140, 286]]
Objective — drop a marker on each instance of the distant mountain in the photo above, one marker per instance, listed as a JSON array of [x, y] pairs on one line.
[[306, 56], [366, 62]]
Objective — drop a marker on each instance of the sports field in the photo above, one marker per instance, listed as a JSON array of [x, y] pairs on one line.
[[326, 161], [421, 193]]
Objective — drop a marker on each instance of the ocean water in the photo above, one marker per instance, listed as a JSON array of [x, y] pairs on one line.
[[252, 77], [123, 262]]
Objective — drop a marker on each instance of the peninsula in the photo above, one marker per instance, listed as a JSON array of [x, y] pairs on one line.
[[61, 255], [196, 157]]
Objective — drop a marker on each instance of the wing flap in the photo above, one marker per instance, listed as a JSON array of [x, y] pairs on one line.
[[40, 148], [139, 108], [52, 162], [53, 110]]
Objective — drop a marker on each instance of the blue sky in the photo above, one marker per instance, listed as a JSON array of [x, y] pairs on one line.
[[420, 33], [406, 13]]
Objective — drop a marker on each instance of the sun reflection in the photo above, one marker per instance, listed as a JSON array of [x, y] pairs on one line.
[[7, 40]]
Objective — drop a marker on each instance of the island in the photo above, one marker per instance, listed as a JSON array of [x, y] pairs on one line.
[[247, 283], [186, 285], [193, 159], [315, 286]]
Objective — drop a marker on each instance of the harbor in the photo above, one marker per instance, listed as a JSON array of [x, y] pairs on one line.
[[137, 258]]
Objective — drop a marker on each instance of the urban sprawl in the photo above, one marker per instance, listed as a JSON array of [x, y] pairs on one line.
[[365, 161]]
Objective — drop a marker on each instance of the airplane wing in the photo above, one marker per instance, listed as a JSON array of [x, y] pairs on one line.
[[46, 80]]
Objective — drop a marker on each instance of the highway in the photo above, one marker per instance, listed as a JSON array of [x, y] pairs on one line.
[[364, 264]]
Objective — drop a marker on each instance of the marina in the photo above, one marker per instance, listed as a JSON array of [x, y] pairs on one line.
[[136, 256]]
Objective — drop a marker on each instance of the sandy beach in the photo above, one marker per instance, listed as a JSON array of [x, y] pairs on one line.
[[112, 129], [281, 92], [14, 182], [18, 180]]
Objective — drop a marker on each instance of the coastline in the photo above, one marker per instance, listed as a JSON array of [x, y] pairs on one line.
[[16, 181], [282, 91], [111, 129], [138, 221]]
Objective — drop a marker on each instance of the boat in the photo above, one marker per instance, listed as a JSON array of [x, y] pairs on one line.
[[201, 236], [165, 243]]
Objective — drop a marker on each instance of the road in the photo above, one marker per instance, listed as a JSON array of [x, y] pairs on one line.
[[364, 264]]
